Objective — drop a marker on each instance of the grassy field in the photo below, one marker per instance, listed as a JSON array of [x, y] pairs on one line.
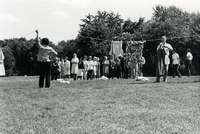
[[100, 107]]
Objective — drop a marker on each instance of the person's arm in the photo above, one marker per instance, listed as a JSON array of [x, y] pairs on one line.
[[54, 52], [37, 39], [169, 47], [158, 47]]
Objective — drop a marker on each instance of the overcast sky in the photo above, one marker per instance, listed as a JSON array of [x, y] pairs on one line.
[[59, 19]]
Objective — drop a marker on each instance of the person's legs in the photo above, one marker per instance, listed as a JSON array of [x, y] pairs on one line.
[[129, 74], [91, 74], [157, 76], [42, 74], [56, 76], [109, 74], [52, 76], [84, 75], [126, 73], [165, 73], [88, 75], [112, 73], [189, 69], [75, 76], [174, 70], [178, 72], [118, 72], [48, 74], [133, 72]]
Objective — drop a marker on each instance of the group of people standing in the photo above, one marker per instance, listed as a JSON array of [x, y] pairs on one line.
[[84, 68], [88, 68], [163, 61]]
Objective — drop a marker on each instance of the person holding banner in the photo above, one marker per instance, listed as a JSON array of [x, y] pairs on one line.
[[44, 61], [163, 60]]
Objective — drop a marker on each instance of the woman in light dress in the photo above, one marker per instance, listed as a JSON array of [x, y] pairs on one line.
[[66, 68], [95, 64], [85, 66], [74, 67], [105, 66], [2, 68]]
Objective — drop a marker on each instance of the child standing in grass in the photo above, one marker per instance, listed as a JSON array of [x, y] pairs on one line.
[[66, 68], [188, 62], [55, 71], [175, 64]]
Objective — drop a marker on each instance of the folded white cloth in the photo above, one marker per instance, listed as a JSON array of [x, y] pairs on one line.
[[103, 78], [63, 81], [142, 79]]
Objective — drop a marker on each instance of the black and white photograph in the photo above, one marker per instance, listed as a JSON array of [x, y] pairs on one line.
[[99, 67]]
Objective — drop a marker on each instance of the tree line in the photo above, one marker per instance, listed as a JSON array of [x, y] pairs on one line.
[[97, 31]]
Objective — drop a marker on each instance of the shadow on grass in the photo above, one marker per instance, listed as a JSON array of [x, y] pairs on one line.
[[169, 82], [141, 82], [183, 82]]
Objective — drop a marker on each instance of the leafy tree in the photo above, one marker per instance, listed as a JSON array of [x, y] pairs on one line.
[[67, 48], [97, 32], [175, 24], [132, 27]]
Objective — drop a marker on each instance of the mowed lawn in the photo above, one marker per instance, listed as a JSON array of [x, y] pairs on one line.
[[100, 106]]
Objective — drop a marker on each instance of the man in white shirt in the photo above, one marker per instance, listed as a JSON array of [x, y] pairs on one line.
[[176, 64], [188, 63]]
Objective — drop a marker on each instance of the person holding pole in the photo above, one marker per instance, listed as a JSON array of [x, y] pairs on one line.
[[163, 60], [44, 61]]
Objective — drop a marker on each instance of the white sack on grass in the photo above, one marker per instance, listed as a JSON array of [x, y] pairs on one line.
[[142, 79], [103, 78], [63, 81]]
